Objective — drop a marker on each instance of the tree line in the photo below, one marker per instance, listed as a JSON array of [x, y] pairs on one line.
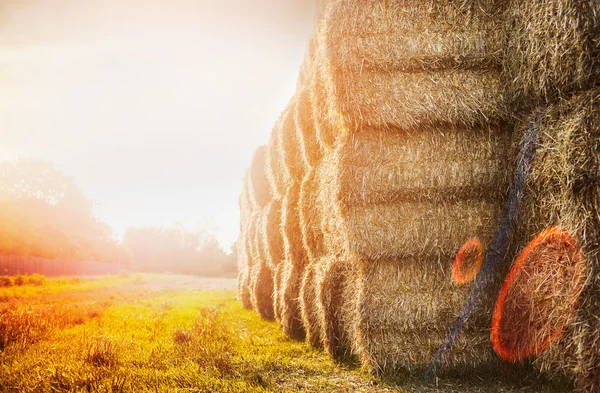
[[44, 214]]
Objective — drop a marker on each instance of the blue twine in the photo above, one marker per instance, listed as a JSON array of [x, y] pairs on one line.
[[500, 243]]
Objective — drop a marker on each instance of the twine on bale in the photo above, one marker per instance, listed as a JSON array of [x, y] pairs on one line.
[[501, 242]]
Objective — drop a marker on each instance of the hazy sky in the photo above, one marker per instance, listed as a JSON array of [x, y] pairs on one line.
[[154, 107]]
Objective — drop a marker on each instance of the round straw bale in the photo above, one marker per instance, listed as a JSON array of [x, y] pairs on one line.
[[335, 284], [261, 277], [294, 262], [277, 292], [410, 83], [261, 285], [308, 307], [243, 293], [273, 235], [405, 194], [563, 190], [538, 298], [324, 130], [244, 203], [259, 183], [310, 150], [275, 167], [294, 251], [291, 316], [309, 215], [403, 311], [416, 35], [292, 155], [552, 48], [468, 261]]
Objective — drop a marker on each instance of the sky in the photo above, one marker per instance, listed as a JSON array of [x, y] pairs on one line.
[[153, 106]]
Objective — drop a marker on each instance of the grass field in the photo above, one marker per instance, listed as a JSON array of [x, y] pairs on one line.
[[169, 333]]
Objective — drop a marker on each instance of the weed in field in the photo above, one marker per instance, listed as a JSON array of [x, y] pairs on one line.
[[103, 352], [209, 343], [7, 281]]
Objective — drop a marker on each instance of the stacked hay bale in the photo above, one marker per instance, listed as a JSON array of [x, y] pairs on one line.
[[242, 246], [273, 229], [295, 254], [261, 275], [553, 62], [308, 210], [416, 164]]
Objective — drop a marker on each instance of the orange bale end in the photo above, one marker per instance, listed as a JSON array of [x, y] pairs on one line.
[[468, 261], [538, 298]]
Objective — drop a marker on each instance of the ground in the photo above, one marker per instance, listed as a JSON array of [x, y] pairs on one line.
[[170, 333]]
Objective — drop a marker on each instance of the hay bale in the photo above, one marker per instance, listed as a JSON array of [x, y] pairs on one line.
[[294, 263], [563, 190], [310, 150], [336, 281], [312, 241], [397, 206], [274, 159], [413, 35], [243, 289], [538, 299], [289, 298], [272, 234], [261, 286], [309, 216], [404, 308], [309, 310], [379, 69], [414, 193], [261, 276], [294, 167], [553, 49], [260, 190], [277, 292]]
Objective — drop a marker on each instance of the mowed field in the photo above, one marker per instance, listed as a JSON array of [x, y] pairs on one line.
[[170, 333]]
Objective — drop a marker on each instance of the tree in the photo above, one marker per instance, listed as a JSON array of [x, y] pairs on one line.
[[177, 250], [43, 213]]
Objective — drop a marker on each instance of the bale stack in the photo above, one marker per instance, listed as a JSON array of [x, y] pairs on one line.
[[260, 274], [553, 62], [308, 210], [416, 164], [295, 255], [273, 225]]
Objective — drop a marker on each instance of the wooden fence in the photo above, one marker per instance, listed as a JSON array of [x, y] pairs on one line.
[[12, 265]]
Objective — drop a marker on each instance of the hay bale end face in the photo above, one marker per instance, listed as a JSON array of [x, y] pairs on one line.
[[563, 191], [335, 297], [539, 296], [468, 261], [308, 307], [272, 234], [259, 184]]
